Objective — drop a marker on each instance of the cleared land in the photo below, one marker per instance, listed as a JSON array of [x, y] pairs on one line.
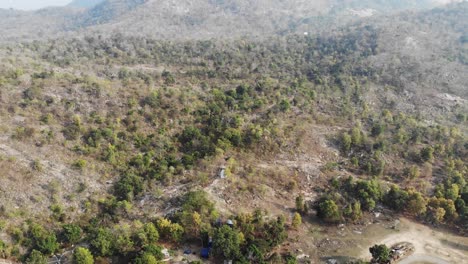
[[430, 244]]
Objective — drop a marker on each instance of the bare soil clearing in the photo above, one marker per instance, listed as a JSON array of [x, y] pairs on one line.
[[430, 244], [422, 259]]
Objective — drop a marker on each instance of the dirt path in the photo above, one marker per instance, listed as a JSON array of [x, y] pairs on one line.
[[430, 244]]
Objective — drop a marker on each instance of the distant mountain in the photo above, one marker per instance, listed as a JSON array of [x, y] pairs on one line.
[[189, 19], [107, 11], [85, 3], [44, 23], [196, 19]]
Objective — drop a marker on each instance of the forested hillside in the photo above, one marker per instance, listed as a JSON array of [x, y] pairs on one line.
[[115, 146], [195, 19]]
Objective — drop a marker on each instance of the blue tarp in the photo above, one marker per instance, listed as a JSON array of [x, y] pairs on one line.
[[205, 252]]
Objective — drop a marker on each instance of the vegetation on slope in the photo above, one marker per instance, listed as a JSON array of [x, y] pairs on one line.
[[147, 117]]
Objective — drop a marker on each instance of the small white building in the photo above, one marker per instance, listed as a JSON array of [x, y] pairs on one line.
[[222, 173]]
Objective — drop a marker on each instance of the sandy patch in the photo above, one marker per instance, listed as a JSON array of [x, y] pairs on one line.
[[428, 242]]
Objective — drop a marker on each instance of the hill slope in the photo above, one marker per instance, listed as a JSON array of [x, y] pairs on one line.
[[85, 3], [118, 141], [195, 18]]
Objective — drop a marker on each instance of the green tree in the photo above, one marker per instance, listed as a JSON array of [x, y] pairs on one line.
[[44, 241], [169, 230], [452, 192], [460, 205], [71, 233], [413, 172], [128, 186], [102, 243], [36, 257], [396, 198], [151, 232], [296, 220], [82, 256], [416, 203], [197, 201], [377, 129], [226, 243], [146, 258], [110, 154], [328, 211], [357, 212], [346, 142], [368, 192], [192, 224], [380, 254], [450, 209], [275, 231], [154, 250], [301, 207], [2, 249], [427, 154], [290, 259], [284, 105], [123, 241], [356, 136], [436, 215]]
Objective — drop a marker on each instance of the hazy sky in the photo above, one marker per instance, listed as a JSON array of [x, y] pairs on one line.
[[31, 4]]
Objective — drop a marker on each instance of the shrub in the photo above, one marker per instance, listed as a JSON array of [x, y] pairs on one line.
[[103, 242], [396, 198], [416, 203], [79, 164], [427, 154], [346, 142], [151, 233], [44, 241], [275, 232], [284, 105], [37, 166], [226, 243], [71, 233], [128, 186], [146, 258], [57, 212], [22, 133], [301, 207], [169, 230], [82, 256], [2, 249], [377, 129], [36, 257], [328, 211], [380, 253], [296, 221], [32, 93], [197, 201], [413, 172]]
